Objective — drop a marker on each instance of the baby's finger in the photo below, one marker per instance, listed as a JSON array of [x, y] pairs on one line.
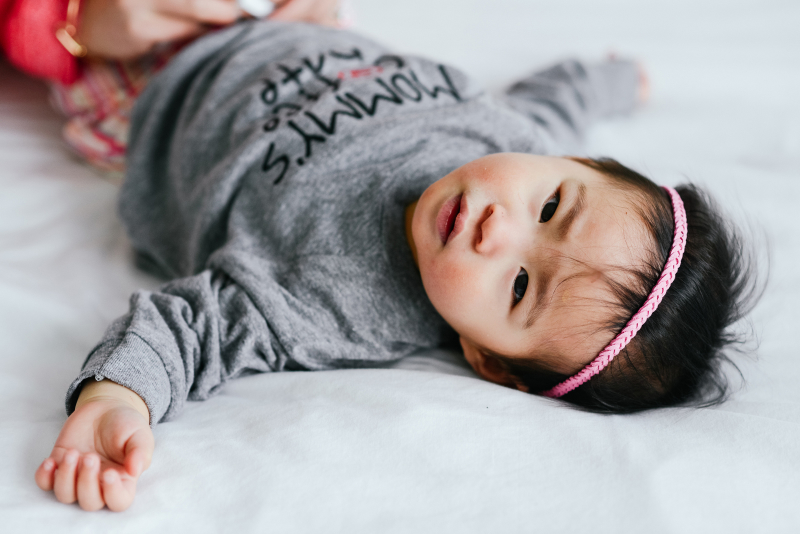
[[64, 485], [89, 497], [206, 11], [44, 475], [139, 452], [116, 496]]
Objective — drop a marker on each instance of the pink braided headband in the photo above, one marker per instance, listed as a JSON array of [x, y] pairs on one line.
[[650, 305]]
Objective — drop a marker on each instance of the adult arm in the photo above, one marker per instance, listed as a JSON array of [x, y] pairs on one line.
[[567, 97], [125, 29], [116, 29]]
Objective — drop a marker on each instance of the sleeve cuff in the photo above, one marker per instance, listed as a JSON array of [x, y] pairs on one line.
[[131, 363], [27, 34], [616, 86]]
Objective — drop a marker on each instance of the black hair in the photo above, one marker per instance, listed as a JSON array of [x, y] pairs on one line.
[[676, 358]]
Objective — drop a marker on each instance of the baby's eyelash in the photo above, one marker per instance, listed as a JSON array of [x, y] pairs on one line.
[[550, 207], [520, 286]]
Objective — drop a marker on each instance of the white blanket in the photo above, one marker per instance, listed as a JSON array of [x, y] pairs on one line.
[[430, 448]]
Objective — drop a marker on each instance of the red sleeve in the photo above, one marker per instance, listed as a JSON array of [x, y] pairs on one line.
[[27, 36]]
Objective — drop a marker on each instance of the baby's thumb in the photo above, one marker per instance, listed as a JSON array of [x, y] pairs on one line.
[[139, 452]]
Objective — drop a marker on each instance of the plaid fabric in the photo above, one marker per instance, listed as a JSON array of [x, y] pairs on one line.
[[98, 105]]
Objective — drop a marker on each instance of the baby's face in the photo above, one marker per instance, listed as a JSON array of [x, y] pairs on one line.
[[511, 248]]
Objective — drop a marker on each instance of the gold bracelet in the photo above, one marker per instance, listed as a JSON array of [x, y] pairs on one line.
[[65, 31]]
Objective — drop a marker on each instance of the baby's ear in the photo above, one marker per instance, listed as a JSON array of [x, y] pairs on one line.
[[488, 367]]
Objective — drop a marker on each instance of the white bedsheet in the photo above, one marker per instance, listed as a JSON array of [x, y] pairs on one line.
[[429, 448]]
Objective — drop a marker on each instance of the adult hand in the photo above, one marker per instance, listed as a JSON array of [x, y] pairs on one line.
[[102, 449], [325, 12], [124, 29]]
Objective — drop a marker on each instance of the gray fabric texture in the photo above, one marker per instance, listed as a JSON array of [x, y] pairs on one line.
[[269, 168]]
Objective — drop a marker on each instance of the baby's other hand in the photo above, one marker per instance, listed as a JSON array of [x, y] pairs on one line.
[[643, 88], [643, 94], [124, 29], [324, 12], [102, 449]]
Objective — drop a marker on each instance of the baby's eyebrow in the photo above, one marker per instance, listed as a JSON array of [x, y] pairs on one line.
[[537, 305], [577, 207]]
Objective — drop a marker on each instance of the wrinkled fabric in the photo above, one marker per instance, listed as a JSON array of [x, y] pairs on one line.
[[269, 169]]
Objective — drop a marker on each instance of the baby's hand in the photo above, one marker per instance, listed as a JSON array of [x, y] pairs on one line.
[[643, 94], [124, 29], [102, 449], [643, 86]]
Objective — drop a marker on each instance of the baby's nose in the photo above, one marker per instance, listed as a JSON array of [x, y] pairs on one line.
[[495, 231]]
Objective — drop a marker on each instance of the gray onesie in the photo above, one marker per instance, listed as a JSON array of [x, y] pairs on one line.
[[269, 167]]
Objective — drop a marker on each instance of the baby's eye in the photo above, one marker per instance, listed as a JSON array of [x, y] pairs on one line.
[[520, 285], [549, 208]]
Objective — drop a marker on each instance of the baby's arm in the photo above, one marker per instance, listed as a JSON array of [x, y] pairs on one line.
[[102, 449], [181, 341], [566, 98]]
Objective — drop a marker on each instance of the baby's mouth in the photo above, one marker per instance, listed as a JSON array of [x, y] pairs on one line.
[[446, 220]]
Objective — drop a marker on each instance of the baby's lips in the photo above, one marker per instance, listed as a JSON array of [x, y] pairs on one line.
[[461, 218], [446, 217]]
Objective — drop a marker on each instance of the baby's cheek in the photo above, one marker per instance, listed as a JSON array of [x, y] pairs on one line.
[[452, 288]]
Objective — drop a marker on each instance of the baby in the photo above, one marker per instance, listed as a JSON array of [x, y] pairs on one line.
[[319, 202]]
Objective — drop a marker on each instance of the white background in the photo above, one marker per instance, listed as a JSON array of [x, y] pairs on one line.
[[437, 450]]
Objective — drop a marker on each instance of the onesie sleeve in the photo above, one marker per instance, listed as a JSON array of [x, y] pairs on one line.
[[181, 342], [567, 97]]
